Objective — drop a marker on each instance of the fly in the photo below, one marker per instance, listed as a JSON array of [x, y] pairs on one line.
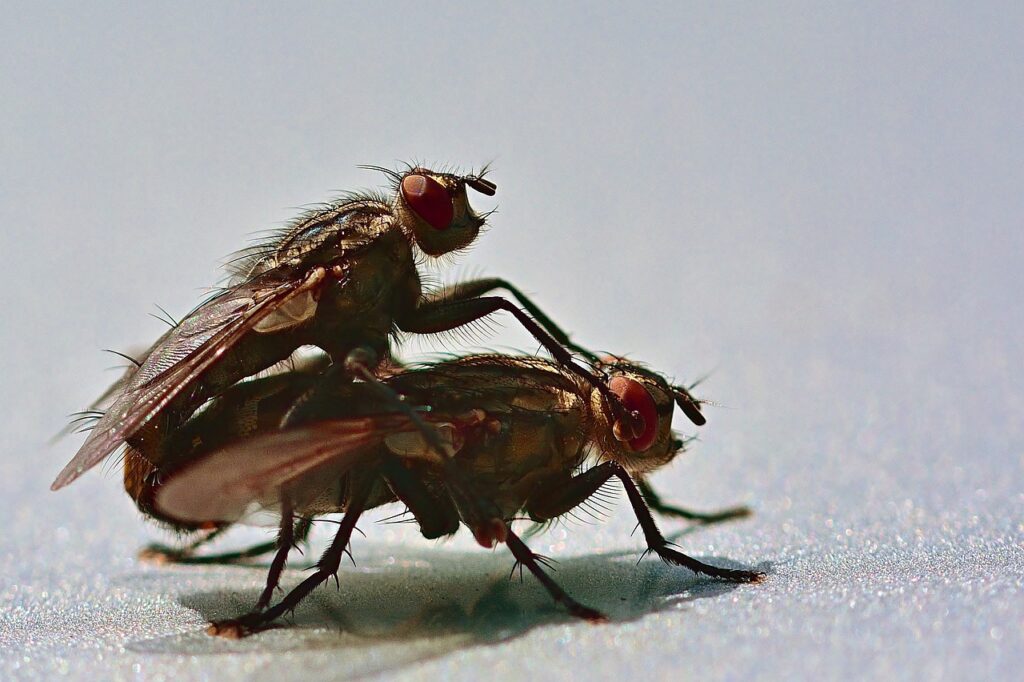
[[521, 437], [343, 278]]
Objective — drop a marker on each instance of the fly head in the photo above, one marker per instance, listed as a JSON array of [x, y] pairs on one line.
[[434, 208], [649, 395]]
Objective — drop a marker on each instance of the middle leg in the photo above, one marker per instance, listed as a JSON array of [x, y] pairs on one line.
[[527, 558], [326, 567]]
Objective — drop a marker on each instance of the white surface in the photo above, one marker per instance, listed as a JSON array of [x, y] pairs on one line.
[[822, 205]]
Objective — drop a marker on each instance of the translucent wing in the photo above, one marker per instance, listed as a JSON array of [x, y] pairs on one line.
[[226, 484], [181, 356]]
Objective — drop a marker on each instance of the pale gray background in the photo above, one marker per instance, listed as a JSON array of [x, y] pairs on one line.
[[821, 204]]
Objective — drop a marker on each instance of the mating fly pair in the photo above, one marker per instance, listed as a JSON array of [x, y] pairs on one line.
[[476, 441]]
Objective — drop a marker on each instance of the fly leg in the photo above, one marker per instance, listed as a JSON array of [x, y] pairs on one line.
[[285, 542], [435, 514], [443, 315], [556, 500], [565, 494], [654, 502], [438, 514], [161, 554], [477, 288], [326, 567], [532, 562]]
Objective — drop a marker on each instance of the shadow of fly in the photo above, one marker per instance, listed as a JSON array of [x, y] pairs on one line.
[[512, 438]]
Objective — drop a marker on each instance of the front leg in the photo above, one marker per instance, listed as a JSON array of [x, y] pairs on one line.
[[443, 315], [476, 288], [556, 500]]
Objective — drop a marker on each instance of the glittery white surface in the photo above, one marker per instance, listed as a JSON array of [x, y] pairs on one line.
[[821, 207]]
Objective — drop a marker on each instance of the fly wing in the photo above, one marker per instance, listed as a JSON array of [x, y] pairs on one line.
[[182, 355], [226, 484]]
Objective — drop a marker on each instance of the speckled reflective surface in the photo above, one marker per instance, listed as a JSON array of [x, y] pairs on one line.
[[821, 208], [893, 581]]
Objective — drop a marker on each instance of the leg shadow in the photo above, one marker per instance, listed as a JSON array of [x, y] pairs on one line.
[[395, 611]]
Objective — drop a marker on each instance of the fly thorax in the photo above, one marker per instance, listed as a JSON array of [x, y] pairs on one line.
[[381, 274]]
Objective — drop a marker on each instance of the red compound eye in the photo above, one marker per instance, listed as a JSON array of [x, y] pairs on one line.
[[636, 398], [429, 199]]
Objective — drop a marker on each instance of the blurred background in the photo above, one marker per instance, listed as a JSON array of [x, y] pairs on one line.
[[819, 207]]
